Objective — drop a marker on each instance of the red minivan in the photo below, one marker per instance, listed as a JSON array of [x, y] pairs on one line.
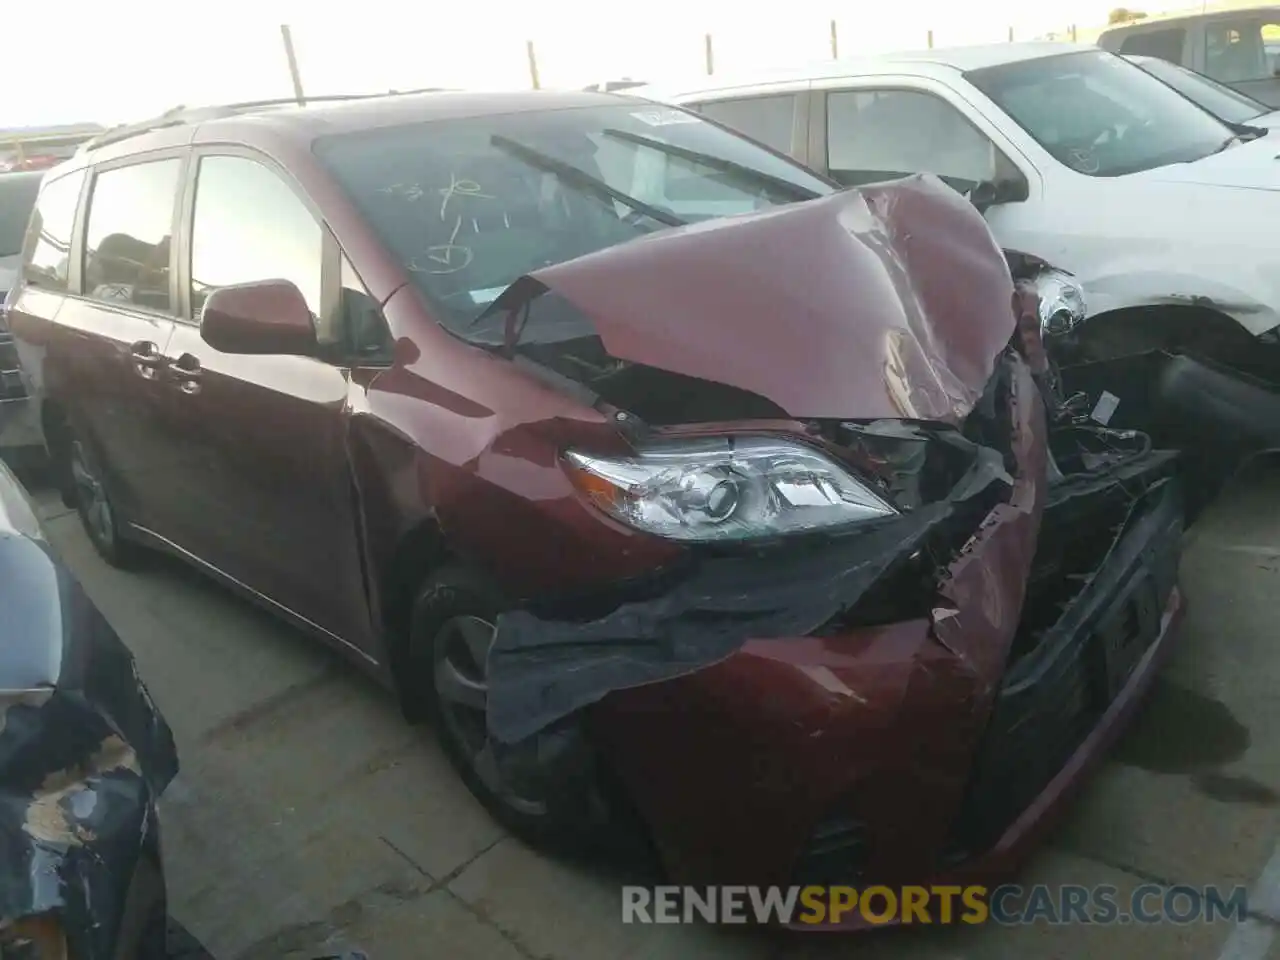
[[684, 493]]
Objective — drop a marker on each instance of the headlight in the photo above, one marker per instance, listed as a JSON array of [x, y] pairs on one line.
[[1062, 305], [33, 938], [726, 488]]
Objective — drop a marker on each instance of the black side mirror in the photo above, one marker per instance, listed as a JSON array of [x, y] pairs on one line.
[[988, 193]]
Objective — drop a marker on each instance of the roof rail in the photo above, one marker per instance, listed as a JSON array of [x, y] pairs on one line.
[[180, 115]]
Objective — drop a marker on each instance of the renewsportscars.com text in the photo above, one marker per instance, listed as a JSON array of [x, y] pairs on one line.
[[1011, 904]]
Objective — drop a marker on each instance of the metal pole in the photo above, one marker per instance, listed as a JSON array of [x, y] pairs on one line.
[[710, 59], [287, 36], [533, 65], [835, 46]]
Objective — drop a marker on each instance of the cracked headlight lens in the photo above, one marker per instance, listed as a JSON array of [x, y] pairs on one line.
[[1062, 303], [725, 488]]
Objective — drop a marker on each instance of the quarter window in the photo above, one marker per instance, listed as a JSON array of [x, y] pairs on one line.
[[766, 119], [248, 226], [883, 134], [129, 234], [49, 232]]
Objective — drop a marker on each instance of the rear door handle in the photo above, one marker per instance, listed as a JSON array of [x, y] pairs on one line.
[[146, 359], [186, 370]]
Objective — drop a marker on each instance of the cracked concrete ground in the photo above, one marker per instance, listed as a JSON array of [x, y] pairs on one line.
[[308, 816]]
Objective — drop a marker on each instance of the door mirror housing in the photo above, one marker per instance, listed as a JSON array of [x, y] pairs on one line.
[[267, 317], [989, 193]]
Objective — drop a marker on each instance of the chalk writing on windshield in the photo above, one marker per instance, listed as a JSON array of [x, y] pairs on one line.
[[450, 257], [460, 188], [410, 191]]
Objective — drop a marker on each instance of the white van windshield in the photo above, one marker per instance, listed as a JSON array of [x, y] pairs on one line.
[[1100, 115]]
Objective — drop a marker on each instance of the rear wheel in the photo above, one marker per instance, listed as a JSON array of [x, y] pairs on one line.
[[551, 789], [92, 500]]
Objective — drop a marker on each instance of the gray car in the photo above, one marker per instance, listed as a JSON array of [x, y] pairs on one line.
[[20, 437], [84, 754]]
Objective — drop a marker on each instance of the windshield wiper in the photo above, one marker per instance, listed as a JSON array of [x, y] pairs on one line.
[[580, 179], [794, 190]]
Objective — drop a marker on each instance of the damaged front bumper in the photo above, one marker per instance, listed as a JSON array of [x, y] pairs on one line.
[[84, 755], [773, 726]]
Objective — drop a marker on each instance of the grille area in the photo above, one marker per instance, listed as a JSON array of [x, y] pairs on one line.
[[835, 855], [1087, 623]]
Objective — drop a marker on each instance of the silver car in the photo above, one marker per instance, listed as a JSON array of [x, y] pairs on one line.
[[20, 436]]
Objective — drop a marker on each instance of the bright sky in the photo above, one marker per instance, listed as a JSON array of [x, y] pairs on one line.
[[71, 65]]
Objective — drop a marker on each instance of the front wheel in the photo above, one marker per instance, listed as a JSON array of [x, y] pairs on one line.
[[548, 790]]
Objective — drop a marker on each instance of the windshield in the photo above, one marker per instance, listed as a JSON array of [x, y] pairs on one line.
[[1220, 100], [17, 198], [1100, 115], [471, 205]]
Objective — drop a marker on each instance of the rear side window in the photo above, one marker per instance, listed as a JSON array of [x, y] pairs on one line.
[[1165, 44], [49, 234], [766, 119], [129, 234]]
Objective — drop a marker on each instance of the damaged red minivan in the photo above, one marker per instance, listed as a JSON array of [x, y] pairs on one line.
[[680, 490]]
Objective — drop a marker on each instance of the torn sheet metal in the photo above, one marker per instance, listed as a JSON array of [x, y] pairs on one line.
[[899, 288], [543, 670], [84, 753]]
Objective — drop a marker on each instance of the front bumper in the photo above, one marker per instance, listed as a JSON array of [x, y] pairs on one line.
[[926, 748], [84, 757]]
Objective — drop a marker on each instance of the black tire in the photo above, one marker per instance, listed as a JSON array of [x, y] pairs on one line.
[[90, 490], [550, 791]]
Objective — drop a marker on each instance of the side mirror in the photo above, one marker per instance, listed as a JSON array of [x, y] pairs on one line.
[[267, 317], [989, 193]]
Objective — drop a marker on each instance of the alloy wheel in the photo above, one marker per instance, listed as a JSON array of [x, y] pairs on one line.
[[462, 691]]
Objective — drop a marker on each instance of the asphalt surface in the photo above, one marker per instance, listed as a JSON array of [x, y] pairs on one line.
[[309, 818]]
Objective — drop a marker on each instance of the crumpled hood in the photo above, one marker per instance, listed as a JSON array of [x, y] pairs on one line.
[[889, 301], [1247, 166]]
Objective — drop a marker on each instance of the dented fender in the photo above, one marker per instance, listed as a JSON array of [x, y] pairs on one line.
[[1154, 287]]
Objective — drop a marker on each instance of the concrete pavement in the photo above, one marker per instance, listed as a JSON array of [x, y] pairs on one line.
[[308, 816]]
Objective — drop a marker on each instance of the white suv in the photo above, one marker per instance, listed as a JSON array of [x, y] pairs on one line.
[[1166, 216]]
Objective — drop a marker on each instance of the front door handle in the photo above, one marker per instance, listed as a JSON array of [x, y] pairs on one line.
[[186, 370], [146, 359]]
